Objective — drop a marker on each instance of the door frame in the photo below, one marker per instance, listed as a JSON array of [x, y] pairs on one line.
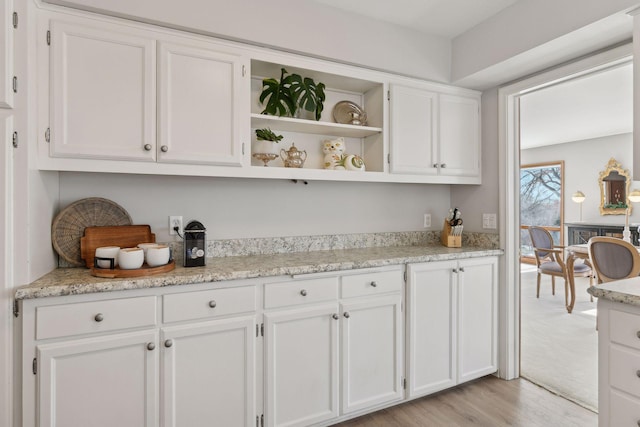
[[509, 188]]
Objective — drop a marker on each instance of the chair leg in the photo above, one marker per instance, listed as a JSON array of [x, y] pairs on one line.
[[566, 293], [553, 285], [591, 284], [538, 287]]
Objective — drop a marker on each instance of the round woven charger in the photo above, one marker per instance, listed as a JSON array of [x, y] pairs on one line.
[[68, 226]]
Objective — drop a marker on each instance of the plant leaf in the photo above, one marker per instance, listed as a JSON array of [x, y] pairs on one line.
[[276, 96]]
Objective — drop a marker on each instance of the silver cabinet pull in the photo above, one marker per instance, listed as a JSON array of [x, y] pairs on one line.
[[99, 317], [461, 269], [147, 147], [374, 284], [455, 270], [168, 343], [346, 314], [335, 316], [638, 334], [303, 292], [435, 165], [212, 304], [164, 148], [151, 346], [443, 165]]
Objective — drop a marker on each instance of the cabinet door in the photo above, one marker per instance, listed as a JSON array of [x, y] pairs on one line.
[[372, 345], [99, 382], [301, 364], [208, 373], [459, 140], [200, 91], [478, 318], [413, 130], [431, 329], [6, 54], [102, 92]]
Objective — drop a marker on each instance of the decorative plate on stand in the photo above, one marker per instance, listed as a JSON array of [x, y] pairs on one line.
[[349, 113], [68, 226]]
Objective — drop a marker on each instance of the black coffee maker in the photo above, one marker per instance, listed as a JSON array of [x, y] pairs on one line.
[[195, 245]]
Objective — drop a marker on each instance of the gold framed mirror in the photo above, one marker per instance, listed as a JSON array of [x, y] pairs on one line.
[[614, 184]]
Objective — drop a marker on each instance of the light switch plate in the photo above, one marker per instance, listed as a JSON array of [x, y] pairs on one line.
[[489, 221]]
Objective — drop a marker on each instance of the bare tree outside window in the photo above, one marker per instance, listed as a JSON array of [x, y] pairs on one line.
[[540, 201]]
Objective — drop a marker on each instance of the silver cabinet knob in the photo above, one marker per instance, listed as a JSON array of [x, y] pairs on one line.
[[346, 314], [168, 343], [212, 304], [335, 316], [303, 292], [147, 147], [461, 269], [435, 165], [374, 284], [638, 373], [151, 346], [443, 165], [164, 148], [99, 317], [638, 334], [455, 270]]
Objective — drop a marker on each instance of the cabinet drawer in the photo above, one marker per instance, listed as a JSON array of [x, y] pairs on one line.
[[623, 410], [624, 328], [300, 292], [624, 369], [371, 283], [96, 316], [212, 303]]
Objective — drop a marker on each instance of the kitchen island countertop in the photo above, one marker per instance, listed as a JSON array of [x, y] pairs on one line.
[[76, 281], [626, 291]]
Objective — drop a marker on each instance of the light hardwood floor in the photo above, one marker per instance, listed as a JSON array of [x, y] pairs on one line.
[[489, 402]]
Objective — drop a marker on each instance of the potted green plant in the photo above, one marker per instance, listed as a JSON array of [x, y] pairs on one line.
[[291, 93], [266, 141]]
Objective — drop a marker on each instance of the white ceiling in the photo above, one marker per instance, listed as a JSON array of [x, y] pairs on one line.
[[593, 106], [445, 18]]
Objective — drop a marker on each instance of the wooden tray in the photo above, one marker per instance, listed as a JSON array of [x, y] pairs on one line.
[[145, 270], [124, 236]]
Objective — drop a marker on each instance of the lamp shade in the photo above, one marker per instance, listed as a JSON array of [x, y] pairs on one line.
[[634, 196], [579, 196]]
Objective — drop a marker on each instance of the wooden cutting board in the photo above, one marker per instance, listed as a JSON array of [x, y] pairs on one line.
[[124, 236]]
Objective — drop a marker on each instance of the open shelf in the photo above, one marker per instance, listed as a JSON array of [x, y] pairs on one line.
[[288, 124]]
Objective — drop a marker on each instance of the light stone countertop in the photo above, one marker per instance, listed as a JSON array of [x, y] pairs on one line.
[[626, 291], [76, 281]]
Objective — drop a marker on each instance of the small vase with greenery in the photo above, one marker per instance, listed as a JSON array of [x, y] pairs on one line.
[[291, 93], [266, 141]]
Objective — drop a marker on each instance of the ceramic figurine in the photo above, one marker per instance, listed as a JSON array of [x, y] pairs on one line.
[[333, 151]]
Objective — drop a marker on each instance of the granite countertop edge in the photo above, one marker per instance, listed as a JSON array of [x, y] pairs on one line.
[[77, 281], [625, 291]]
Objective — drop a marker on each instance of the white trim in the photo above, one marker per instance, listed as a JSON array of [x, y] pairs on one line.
[[509, 168]]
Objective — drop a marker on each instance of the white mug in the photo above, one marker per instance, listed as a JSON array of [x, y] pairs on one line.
[[130, 258], [157, 255], [107, 252], [145, 246]]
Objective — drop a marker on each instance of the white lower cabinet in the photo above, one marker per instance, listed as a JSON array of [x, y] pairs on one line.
[[99, 382], [451, 323], [308, 366], [208, 373]]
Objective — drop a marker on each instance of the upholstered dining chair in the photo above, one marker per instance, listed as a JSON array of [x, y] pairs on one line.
[[550, 260], [613, 258]]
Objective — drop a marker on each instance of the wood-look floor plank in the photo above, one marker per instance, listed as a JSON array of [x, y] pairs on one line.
[[489, 402]]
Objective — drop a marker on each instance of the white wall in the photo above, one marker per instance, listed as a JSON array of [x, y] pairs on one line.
[[242, 208], [583, 162]]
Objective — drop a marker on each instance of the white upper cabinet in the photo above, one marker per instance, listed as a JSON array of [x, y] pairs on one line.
[[199, 96], [102, 92], [6, 53], [413, 130], [459, 135], [435, 134]]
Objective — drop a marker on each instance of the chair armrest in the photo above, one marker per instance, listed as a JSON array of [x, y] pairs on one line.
[[551, 250]]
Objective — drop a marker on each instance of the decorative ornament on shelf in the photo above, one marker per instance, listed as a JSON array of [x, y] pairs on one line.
[[579, 197], [292, 93], [634, 197], [293, 158], [335, 157], [264, 148]]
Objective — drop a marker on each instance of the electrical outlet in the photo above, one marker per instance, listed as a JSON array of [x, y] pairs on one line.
[[427, 220], [175, 221]]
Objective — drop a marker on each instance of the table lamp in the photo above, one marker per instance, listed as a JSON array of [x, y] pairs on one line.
[[579, 197], [634, 197]]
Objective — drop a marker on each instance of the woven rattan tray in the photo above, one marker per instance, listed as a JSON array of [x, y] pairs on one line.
[[68, 226]]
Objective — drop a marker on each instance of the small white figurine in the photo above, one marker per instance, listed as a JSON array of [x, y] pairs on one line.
[[333, 151]]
